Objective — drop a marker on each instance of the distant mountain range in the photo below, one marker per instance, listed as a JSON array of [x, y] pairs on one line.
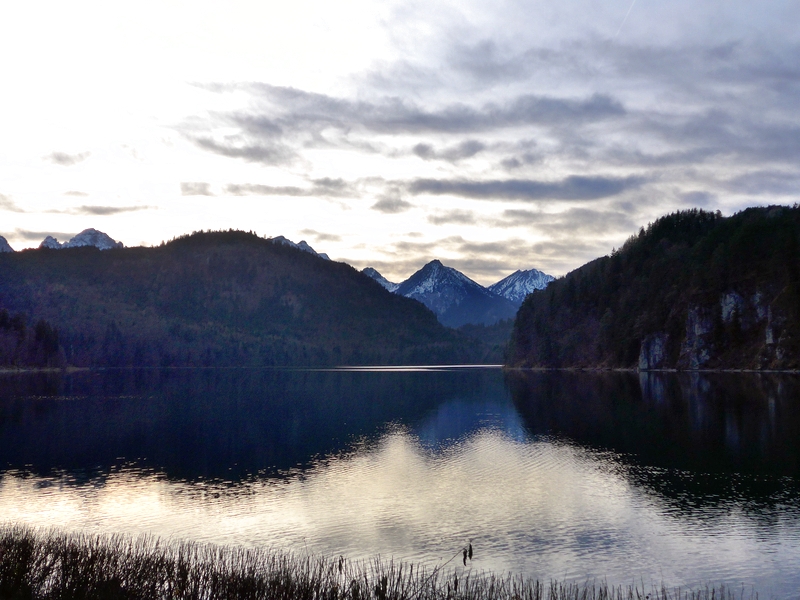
[[87, 237], [102, 241], [457, 300]]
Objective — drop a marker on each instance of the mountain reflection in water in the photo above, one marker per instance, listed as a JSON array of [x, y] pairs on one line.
[[682, 478]]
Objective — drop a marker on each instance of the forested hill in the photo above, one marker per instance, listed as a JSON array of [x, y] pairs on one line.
[[694, 290], [216, 298]]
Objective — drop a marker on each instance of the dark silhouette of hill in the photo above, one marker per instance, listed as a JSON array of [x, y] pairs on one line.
[[694, 290], [217, 298]]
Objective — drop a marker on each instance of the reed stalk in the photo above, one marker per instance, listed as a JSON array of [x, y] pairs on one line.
[[48, 564]]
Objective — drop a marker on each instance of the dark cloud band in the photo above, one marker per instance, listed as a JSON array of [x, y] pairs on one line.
[[574, 187]]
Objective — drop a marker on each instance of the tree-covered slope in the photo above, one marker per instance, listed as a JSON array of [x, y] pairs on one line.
[[221, 298], [693, 290]]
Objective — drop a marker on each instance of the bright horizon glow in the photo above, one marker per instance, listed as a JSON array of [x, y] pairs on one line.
[[388, 134]]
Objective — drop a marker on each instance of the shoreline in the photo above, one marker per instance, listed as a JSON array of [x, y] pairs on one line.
[[637, 370], [366, 368]]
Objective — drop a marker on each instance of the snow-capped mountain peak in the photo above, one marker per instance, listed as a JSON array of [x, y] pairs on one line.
[[435, 277], [454, 297], [519, 284], [92, 237], [373, 274], [301, 246], [87, 237], [4, 247], [50, 242]]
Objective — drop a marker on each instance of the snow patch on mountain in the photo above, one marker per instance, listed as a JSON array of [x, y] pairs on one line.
[[301, 246], [373, 274], [519, 284], [50, 242], [87, 237], [4, 247]]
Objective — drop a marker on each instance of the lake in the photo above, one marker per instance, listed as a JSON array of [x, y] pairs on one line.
[[681, 479]]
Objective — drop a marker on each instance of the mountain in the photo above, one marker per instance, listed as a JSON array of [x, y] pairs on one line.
[[519, 284], [694, 290], [373, 274], [301, 246], [4, 247], [213, 299], [87, 237], [454, 298]]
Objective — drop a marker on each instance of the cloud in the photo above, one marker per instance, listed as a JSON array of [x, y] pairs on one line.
[[196, 188], [698, 198], [512, 163], [320, 236], [100, 210], [271, 154], [574, 187], [256, 189], [321, 188], [574, 222], [338, 188], [765, 182], [8, 205], [40, 235], [67, 160], [462, 217], [286, 121], [76, 193], [460, 151], [107, 210], [391, 205], [398, 117]]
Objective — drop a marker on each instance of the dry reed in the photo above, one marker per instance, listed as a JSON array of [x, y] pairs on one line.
[[39, 565]]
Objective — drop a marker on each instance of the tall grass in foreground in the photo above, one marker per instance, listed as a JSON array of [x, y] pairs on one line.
[[39, 565]]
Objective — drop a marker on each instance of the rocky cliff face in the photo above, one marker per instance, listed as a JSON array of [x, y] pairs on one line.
[[694, 291], [754, 324]]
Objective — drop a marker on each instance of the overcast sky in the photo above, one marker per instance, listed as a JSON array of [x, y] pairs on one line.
[[494, 136]]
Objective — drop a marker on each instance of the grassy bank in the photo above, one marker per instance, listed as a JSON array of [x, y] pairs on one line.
[[39, 565]]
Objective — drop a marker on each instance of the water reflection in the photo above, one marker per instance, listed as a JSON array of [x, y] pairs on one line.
[[209, 424], [700, 422], [678, 478]]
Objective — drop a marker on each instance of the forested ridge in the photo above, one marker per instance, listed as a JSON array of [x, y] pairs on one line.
[[693, 290], [209, 299]]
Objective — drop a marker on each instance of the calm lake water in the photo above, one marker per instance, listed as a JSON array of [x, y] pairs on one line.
[[685, 479]]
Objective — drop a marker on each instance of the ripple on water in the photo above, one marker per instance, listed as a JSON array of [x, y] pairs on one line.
[[540, 506]]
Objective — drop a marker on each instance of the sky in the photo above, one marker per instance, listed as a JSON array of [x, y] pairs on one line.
[[493, 136]]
